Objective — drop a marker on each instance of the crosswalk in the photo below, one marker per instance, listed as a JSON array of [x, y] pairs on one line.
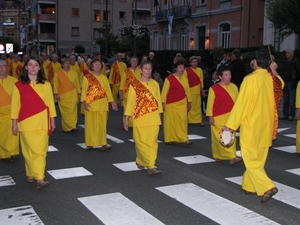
[[117, 208]]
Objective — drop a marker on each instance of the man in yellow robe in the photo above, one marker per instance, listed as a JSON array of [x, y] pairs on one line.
[[52, 68], [46, 61], [9, 147], [84, 64], [67, 93], [116, 70], [127, 76], [194, 75], [254, 113], [14, 65], [9, 61]]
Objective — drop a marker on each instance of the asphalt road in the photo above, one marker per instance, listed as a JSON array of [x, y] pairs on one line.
[[93, 187]]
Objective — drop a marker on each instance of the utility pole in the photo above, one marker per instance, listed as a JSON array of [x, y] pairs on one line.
[[135, 26], [106, 32], [37, 28]]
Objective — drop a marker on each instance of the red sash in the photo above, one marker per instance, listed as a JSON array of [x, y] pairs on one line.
[[176, 91], [31, 103], [95, 90], [192, 77], [224, 103]]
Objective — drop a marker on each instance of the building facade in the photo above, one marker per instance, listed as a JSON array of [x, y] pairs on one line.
[[206, 24]]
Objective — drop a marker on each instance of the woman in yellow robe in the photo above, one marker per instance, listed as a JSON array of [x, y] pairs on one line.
[[9, 145], [221, 99], [144, 106], [67, 93], [32, 114], [96, 94], [176, 102]]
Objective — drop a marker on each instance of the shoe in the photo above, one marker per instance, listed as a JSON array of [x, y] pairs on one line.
[[66, 131], [169, 143], [247, 192], [235, 160], [282, 118], [140, 166], [187, 143], [291, 118], [90, 147], [154, 171], [30, 179], [106, 148], [201, 124], [218, 160], [74, 130], [42, 184], [15, 157], [268, 194]]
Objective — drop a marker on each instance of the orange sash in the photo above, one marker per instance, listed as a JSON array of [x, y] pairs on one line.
[[82, 66], [19, 69], [176, 91], [50, 72], [192, 77], [129, 79], [5, 98], [145, 101], [278, 93], [95, 90], [116, 77], [66, 84]]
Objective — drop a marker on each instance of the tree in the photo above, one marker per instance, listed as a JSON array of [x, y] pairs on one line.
[[112, 43], [79, 49], [284, 14]]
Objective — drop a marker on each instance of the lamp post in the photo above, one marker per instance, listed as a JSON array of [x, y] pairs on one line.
[[106, 20], [135, 25]]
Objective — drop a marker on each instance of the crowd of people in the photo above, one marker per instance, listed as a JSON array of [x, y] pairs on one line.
[[31, 87]]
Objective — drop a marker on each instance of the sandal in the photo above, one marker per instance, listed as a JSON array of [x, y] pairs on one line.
[[106, 147], [140, 166], [268, 195], [30, 179], [187, 143], [42, 184]]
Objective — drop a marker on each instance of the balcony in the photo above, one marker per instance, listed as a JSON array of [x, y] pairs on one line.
[[176, 12], [46, 17], [142, 5], [43, 37]]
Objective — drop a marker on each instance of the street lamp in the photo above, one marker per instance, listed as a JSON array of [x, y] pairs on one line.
[[106, 20], [135, 23]]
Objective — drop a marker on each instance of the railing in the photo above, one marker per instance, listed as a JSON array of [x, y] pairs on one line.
[[176, 12], [50, 17], [44, 36]]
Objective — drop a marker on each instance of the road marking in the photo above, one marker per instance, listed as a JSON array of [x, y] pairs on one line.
[[127, 166], [213, 206], [112, 138], [195, 137], [20, 215], [131, 140], [282, 129], [69, 173], [285, 194], [6, 181], [290, 135], [194, 159], [294, 171], [115, 208], [51, 148], [288, 149], [82, 145]]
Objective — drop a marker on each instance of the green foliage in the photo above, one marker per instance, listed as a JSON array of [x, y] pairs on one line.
[[4, 40], [79, 49], [112, 43], [217, 54], [284, 14]]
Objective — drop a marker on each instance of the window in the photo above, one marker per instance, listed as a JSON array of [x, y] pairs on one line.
[[75, 11], [225, 35], [122, 15], [75, 31], [168, 43], [96, 34], [155, 42], [183, 42], [97, 15]]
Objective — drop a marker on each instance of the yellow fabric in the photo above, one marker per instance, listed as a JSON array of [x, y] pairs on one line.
[[34, 149], [76, 68], [175, 115], [298, 121], [115, 87], [103, 68], [255, 178], [96, 118], [219, 151], [40, 120], [8, 142], [45, 64], [83, 66], [68, 100], [13, 71]]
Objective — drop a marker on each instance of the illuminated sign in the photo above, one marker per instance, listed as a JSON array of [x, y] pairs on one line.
[[8, 22]]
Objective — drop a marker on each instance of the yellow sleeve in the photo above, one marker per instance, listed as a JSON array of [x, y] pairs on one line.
[[158, 97], [165, 91], [210, 102], [123, 78], [50, 100], [201, 78], [55, 84], [15, 103], [187, 89], [110, 75], [131, 99], [298, 96], [85, 86], [107, 88]]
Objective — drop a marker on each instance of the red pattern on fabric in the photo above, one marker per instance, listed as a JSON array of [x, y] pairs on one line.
[[176, 91], [224, 103], [193, 78]]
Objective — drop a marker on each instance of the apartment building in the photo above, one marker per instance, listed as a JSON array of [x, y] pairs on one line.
[[206, 24]]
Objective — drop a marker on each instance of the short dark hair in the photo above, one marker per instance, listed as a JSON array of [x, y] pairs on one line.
[[237, 53], [178, 63], [262, 58], [221, 69]]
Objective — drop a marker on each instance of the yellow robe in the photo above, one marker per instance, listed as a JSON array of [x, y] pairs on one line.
[[175, 115], [45, 64], [13, 69], [254, 113], [68, 92], [219, 151], [146, 127], [137, 74], [195, 114], [76, 68], [96, 118], [9, 144], [33, 131], [116, 86], [298, 121]]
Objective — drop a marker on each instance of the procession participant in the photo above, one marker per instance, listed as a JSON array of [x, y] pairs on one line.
[[96, 94], [53, 67], [176, 102], [127, 77], [84, 65], [46, 61], [144, 106], [32, 114], [67, 93], [298, 118], [9, 146], [116, 70], [194, 75], [254, 112], [221, 99], [19, 67], [14, 65]]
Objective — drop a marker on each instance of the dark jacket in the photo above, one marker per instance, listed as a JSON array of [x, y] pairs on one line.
[[238, 71], [291, 72]]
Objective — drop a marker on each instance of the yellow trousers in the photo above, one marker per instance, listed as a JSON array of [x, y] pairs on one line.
[[34, 148], [175, 126], [219, 151], [255, 178], [195, 114], [95, 128], [9, 144], [298, 136], [69, 116], [146, 145], [115, 92]]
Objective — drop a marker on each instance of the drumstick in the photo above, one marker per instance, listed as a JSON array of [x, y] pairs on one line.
[[271, 60]]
